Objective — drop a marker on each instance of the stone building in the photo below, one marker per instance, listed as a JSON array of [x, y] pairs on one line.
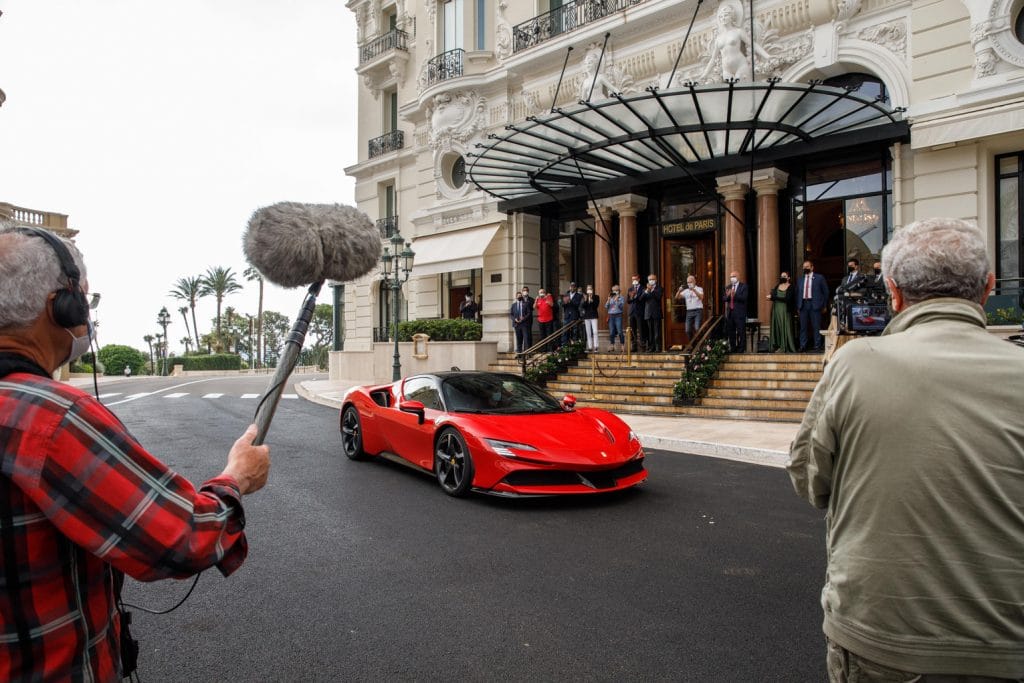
[[542, 142]]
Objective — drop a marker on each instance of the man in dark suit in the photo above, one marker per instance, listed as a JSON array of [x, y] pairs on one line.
[[529, 301], [854, 278], [735, 299], [636, 312], [521, 319], [650, 300], [875, 280], [811, 297]]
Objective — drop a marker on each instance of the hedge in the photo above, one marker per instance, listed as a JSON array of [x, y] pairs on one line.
[[439, 329], [216, 361]]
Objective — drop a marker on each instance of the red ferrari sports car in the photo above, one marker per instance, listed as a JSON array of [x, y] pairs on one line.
[[491, 432]]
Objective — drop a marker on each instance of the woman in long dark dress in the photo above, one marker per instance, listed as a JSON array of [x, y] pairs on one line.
[[781, 337]]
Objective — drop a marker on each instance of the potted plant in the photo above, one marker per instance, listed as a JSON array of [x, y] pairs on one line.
[[700, 368]]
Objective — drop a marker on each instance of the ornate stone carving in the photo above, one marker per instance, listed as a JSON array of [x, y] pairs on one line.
[[360, 13], [784, 53], [431, 10], [892, 36], [845, 10], [985, 63], [728, 51], [396, 67], [530, 104], [373, 26], [455, 117], [503, 33], [602, 83], [421, 80], [372, 85]]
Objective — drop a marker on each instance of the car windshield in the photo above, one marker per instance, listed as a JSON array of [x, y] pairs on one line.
[[487, 393]]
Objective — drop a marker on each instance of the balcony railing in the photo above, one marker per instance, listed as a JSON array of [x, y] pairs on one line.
[[389, 142], [444, 66], [569, 16], [387, 226], [392, 40]]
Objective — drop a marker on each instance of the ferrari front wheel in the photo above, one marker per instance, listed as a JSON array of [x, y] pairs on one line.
[[351, 434], [453, 464]]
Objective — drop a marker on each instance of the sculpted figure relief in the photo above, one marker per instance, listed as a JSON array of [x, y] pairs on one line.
[[732, 45], [602, 83]]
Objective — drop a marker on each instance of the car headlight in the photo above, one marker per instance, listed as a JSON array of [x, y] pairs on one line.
[[507, 449]]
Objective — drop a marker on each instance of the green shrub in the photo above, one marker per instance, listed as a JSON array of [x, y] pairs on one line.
[[1005, 316], [700, 368], [115, 357], [216, 361], [440, 329], [80, 367], [555, 362]]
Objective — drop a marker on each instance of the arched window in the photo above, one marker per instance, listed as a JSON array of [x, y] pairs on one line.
[[865, 84]]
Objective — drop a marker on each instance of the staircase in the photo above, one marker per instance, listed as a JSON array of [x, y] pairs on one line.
[[748, 386]]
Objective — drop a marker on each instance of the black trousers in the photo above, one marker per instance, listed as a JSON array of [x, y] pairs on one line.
[[638, 326], [737, 329], [652, 336]]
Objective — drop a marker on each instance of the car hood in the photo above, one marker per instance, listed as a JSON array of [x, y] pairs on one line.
[[581, 437]]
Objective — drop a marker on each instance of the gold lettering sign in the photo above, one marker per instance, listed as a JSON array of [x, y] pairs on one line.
[[690, 227]]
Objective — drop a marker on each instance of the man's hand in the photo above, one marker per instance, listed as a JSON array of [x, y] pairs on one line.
[[248, 464]]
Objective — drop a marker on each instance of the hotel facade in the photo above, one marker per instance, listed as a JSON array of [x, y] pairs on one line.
[[539, 143]]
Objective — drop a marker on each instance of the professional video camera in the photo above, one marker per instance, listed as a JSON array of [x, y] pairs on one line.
[[862, 309]]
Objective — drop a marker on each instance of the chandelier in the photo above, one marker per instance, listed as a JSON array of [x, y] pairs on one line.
[[861, 213]]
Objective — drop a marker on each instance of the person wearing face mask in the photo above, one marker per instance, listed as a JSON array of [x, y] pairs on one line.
[[588, 311], [81, 501], [735, 299], [636, 313], [811, 297], [614, 307], [544, 307], [650, 300], [529, 316], [467, 309], [691, 299], [875, 281], [518, 314], [780, 337], [571, 312]]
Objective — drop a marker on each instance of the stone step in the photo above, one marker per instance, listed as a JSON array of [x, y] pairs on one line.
[[792, 384], [752, 404], [622, 374], [758, 357], [562, 385], [789, 366], [799, 375], [764, 394], [768, 415]]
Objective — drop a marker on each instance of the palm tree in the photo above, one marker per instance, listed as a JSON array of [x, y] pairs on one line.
[[220, 282], [190, 289], [251, 274], [186, 341], [149, 340], [184, 311]]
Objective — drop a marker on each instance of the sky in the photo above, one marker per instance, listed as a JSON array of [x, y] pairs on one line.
[[158, 128]]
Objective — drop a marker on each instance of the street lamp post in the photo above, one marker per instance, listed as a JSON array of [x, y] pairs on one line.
[[163, 318], [397, 267]]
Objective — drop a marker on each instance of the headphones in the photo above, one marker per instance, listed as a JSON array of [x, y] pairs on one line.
[[70, 305]]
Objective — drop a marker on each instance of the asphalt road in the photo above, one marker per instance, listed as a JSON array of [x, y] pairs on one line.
[[365, 571]]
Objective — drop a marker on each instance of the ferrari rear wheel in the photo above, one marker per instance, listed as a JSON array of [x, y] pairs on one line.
[[453, 464], [352, 434]]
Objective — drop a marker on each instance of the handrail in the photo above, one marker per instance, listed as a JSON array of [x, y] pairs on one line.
[[395, 39], [445, 65], [526, 354], [703, 334]]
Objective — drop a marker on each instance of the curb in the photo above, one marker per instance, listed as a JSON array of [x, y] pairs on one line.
[[304, 392]]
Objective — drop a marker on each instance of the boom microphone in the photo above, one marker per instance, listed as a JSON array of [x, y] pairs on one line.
[[294, 244]]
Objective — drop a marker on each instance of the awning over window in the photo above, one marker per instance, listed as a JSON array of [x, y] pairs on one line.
[[611, 146], [451, 251]]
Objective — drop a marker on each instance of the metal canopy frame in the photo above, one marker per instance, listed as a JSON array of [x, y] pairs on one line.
[[614, 145]]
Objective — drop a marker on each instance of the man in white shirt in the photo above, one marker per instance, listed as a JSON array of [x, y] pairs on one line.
[[693, 296]]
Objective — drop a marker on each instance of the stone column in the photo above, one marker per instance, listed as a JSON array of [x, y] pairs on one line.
[[767, 183], [602, 259], [627, 207], [734, 194]]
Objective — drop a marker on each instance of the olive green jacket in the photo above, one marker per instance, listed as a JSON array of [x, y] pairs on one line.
[[913, 442]]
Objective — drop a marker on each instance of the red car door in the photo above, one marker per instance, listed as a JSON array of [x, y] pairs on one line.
[[410, 439]]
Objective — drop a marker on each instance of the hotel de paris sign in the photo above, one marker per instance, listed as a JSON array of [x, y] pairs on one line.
[[693, 226]]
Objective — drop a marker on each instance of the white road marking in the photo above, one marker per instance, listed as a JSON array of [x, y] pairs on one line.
[[132, 397], [177, 395], [289, 395], [115, 393], [158, 391], [213, 395], [250, 395]]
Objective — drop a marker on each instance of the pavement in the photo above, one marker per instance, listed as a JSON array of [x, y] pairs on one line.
[[761, 443]]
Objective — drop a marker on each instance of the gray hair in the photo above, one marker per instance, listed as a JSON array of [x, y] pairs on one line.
[[937, 257], [29, 271]]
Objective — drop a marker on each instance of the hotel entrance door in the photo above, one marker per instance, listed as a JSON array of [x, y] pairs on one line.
[[680, 258]]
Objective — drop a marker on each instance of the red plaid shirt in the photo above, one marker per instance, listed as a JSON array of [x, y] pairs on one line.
[[78, 495]]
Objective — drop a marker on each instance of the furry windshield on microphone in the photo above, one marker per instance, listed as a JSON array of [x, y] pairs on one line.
[[293, 244]]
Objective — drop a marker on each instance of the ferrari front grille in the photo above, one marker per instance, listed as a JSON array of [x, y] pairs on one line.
[[595, 479]]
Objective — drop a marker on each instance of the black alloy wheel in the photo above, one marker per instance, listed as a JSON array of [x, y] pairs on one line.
[[352, 434], [453, 464]]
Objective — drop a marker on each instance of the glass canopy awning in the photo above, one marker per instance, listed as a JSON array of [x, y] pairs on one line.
[[614, 145]]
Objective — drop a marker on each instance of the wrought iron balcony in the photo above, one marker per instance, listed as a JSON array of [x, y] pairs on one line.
[[389, 142], [444, 66], [392, 40], [569, 16], [387, 226]]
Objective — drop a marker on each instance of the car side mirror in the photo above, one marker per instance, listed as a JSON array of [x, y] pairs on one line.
[[415, 407], [568, 401]]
